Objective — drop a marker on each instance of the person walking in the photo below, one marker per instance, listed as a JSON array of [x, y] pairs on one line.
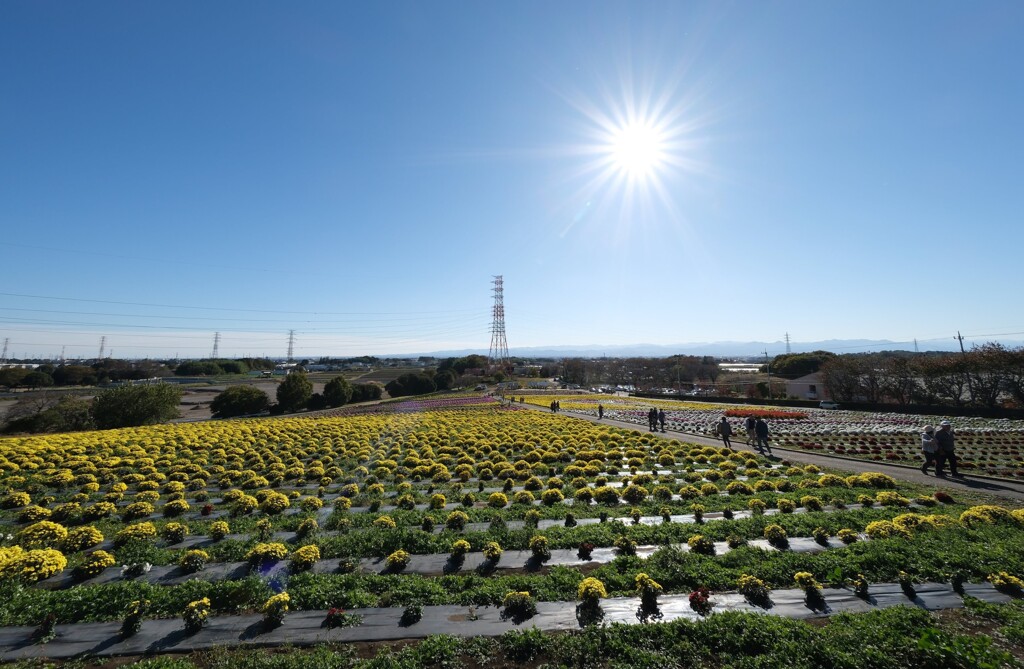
[[600, 411], [661, 419], [930, 448], [751, 434], [946, 451], [761, 430], [652, 419], [725, 431]]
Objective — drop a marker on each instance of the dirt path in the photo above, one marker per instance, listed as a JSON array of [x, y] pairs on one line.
[[1006, 489]]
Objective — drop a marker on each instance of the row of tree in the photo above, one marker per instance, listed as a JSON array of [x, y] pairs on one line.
[[293, 394], [124, 406], [149, 403], [988, 376], [215, 367], [644, 373], [104, 371], [113, 371]]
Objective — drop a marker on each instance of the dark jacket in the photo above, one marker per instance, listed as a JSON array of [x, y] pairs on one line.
[[761, 428], [945, 439]]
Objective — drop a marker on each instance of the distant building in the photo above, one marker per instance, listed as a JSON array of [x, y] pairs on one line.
[[808, 387]]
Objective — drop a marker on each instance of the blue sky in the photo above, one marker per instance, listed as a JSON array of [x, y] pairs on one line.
[[357, 172]]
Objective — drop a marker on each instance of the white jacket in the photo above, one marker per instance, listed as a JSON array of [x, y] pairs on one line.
[[928, 443]]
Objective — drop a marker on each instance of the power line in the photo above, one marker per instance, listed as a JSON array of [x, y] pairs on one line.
[[258, 311]]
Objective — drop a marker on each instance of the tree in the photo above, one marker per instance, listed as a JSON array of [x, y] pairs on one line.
[[988, 368], [74, 375], [795, 365], [410, 383], [365, 392], [444, 379], [239, 401], [43, 412], [37, 379], [129, 406], [899, 379], [294, 392], [233, 366], [947, 379], [337, 392], [1015, 375], [12, 377], [841, 376], [198, 368]]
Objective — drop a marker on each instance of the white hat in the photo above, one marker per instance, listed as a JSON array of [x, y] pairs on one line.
[[944, 423], [929, 428]]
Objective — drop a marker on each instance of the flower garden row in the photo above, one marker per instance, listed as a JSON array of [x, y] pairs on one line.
[[395, 489], [990, 446]]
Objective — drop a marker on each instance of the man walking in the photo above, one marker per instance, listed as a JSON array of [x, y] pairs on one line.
[[945, 440], [751, 434], [600, 411], [725, 431], [761, 430], [661, 419]]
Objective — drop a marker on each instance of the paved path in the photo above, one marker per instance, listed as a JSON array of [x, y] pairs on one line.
[[1007, 489]]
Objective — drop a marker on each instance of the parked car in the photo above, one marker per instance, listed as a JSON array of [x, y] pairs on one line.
[[828, 404], [482, 386]]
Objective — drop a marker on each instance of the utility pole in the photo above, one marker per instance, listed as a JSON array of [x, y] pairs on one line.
[[768, 364]]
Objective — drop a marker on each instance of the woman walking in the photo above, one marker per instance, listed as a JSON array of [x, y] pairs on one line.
[[930, 448]]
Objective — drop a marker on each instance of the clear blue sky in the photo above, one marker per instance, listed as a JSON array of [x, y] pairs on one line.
[[358, 171]]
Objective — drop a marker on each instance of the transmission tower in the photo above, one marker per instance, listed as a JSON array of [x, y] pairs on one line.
[[291, 344], [498, 354], [216, 344], [3, 356], [103, 346], [916, 349], [787, 344]]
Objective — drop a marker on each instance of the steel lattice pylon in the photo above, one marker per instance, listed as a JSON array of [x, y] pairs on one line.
[[498, 354]]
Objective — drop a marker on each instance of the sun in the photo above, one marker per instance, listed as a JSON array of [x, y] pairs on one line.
[[637, 149]]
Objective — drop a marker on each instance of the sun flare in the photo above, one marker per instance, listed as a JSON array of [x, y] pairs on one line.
[[636, 149]]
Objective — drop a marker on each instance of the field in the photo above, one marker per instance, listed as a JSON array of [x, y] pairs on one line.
[[530, 533]]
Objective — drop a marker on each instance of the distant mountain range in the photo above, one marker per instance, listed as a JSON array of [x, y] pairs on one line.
[[718, 349]]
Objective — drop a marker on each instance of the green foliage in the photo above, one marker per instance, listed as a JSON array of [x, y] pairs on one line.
[[294, 392], [410, 383], [337, 392], [366, 392], [795, 365], [198, 368], [239, 400], [130, 406]]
